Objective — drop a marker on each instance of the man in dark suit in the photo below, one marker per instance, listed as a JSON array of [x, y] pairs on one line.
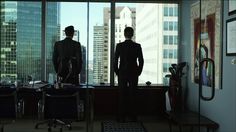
[[126, 56], [67, 58]]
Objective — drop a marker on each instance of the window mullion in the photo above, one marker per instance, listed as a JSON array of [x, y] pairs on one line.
[[43, 42], [112, 44]]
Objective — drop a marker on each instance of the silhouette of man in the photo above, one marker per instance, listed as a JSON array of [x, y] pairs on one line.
[[67, 58], [128, 70]]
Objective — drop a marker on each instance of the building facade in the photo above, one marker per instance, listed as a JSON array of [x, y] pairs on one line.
[[158, 41]]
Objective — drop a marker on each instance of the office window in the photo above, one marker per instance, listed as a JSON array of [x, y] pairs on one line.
[[146, 33], [56, 21], [21, 23], [53, 34], [99, 48]]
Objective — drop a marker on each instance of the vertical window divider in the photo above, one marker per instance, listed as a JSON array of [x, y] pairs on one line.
[[43, 41], [0, 37], [112, 44], [179, 40], [87, 60]]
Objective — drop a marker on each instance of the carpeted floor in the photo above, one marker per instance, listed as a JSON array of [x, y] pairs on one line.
[[150, 124]]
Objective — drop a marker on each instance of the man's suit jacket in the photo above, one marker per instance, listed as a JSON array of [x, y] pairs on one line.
[[128, 52], [67, 48]]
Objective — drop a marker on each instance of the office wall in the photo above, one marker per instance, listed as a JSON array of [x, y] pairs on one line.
[[222, 108]]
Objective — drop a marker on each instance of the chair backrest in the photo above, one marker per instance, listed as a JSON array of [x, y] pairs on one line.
[[61, 103], [8, 103]]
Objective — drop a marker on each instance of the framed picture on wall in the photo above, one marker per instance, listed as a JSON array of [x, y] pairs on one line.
[[232, 7], [206, 40], [231, 37]]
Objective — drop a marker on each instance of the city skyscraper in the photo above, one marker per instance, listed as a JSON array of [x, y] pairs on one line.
[[8, 43], [83, 77], [99, 61], [53, 28], [29, 38], [24, 41]]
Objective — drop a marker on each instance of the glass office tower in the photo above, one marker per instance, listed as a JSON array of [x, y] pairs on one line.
[[29, 38], [53, 29], [21, 39], [8, 63]]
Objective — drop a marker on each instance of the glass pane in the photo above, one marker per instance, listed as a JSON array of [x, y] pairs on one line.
[[165, 11], [170, 39], [59, 16], [99, 43], [166, 26], [150, 31], [165, 39], [175, 26], [165, 53], [175, 40], [171, 26], [20, 41], [125, 16], [171, 11], [52, 35], [175, 11]]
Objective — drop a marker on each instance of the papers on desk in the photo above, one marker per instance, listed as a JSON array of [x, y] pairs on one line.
[[67, 85], [36, 85]]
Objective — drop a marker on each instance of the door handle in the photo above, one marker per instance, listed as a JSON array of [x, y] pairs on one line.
[[213, 79]]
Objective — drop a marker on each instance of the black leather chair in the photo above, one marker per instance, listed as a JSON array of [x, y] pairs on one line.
[[60, 107], [9, 106]]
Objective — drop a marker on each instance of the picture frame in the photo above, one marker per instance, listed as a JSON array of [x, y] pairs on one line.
[[207, 29], [231, 7], [230, 37]]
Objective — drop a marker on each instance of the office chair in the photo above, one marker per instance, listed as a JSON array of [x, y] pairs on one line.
[[59, 107], [9, 106]]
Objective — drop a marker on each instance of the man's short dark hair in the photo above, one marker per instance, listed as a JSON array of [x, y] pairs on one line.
[[69, 30], [129, 32]]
